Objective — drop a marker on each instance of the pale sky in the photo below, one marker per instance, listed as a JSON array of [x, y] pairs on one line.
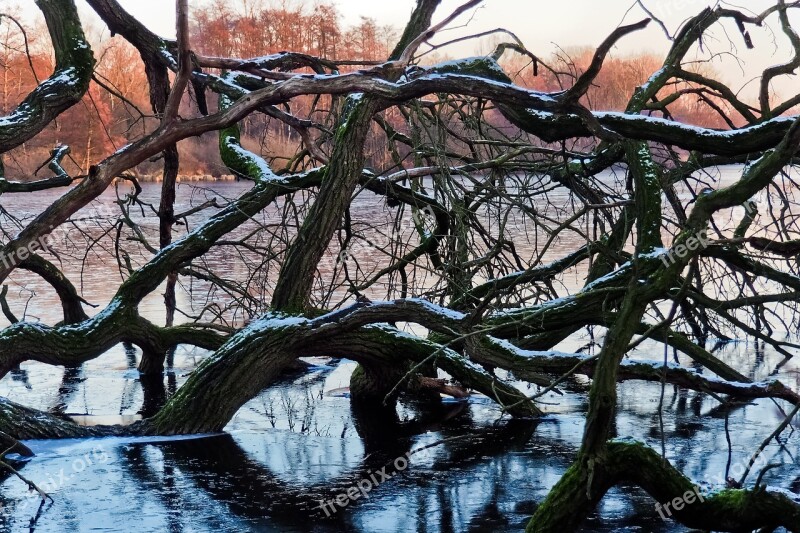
[[542, 24]]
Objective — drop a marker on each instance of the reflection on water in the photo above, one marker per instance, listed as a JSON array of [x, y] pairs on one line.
[[298, 443], [294, 445]]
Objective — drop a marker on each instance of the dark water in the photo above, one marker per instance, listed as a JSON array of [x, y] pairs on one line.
[[299, 442]]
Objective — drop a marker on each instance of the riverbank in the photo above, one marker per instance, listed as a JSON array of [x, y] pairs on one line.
[[158, 178]]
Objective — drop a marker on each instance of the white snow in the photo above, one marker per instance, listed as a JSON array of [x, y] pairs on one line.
[[530, 354], [439, 310]]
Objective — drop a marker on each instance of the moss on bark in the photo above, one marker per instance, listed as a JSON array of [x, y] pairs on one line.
[[64, 88]]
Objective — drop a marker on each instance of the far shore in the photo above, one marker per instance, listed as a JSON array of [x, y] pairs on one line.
[[158, 178]]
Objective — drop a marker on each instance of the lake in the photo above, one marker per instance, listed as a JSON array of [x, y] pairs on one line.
[[298, 439]]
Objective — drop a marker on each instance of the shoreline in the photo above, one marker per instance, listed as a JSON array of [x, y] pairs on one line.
[[158, 178]]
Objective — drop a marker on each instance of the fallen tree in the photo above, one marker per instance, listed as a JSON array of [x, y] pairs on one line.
[[483, 299]]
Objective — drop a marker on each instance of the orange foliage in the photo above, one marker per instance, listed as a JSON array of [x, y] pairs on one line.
[[614, 85], [106, 120]]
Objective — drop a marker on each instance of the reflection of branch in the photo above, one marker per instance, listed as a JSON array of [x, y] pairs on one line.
[[4, 306], [778, 430]]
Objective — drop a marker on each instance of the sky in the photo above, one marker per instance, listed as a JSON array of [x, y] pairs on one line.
[[544, 25]]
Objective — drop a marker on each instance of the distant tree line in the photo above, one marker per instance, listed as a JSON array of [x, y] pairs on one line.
[[116, 108]]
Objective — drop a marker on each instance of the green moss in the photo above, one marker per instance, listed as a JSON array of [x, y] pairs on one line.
[[732, 498], [563, 502], [241, 162], [647, 183], [74, 58], [485, 67]]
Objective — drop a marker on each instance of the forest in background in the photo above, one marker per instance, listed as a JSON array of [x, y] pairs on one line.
[[116, 109]]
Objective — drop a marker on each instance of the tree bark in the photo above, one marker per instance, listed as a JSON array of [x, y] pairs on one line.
[[65, 87]]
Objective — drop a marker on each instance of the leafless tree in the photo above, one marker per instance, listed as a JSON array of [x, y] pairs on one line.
[[471, 153]]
